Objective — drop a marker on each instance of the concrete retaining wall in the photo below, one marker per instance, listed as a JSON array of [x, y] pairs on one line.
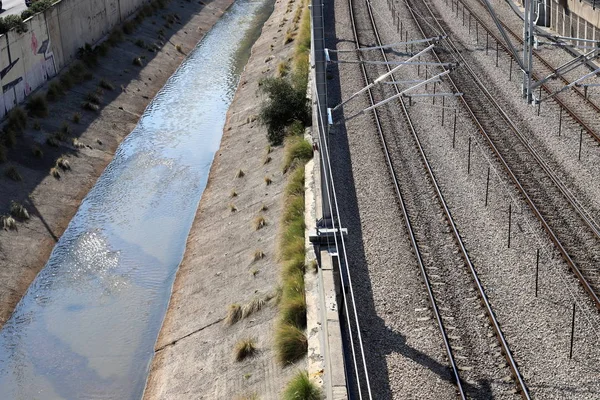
[[577, 19], [51, 42]]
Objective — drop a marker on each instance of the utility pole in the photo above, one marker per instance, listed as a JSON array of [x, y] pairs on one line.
[[528, 39]]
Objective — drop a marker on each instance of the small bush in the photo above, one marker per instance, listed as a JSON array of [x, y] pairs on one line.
[[2, 153], [137, 61], [290, 344], [115, 37], [102, 49], [12, 174], [104, 84], [93, 98], [55, 90], [90, 106], [37, 152], [301, 388], [17, 120], [52, 141], [293, 310], [8, 223], [259, 222], [36, 7], [284, 105], [77, 144], [18, 210], [245, 348], [129, 27], [65, 130], [37, 106], [140, 43], [66, 82], [298, 152], [76, 118], [234, 314]]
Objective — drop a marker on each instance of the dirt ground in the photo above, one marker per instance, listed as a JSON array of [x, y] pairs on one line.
[[195, 350], [53, 202]]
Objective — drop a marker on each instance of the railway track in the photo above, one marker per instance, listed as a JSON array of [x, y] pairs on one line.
[[574, 101], [444, 283], [572, 230]]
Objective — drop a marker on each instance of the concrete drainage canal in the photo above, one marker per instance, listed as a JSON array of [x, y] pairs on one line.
[[86, 327]]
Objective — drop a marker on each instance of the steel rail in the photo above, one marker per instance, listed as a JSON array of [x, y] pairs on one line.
[[489, 311], [408, 223], [566, 256]]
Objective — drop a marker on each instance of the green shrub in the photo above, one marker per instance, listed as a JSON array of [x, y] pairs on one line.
[[284, 105], [37, 7], [137, 61], [88, 55], [129, 27], [293, 310], [298, 151], [290, 343], [55, 91], [301, 388], [104, 84], [37, 106]]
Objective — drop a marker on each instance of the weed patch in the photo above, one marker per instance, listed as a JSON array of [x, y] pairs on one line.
[[291, 344], [12, 174], [17, 210], [301, 388], [245, 348]]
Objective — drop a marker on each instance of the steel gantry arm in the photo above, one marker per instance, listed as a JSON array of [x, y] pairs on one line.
[[569, 66], [509, 44]]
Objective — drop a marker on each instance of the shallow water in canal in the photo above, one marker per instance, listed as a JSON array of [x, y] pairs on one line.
[[87, 326]]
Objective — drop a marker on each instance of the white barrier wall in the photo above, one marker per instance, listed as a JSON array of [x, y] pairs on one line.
[[52, 40]]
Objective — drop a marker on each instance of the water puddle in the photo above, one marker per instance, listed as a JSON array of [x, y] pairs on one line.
[[87, 326]]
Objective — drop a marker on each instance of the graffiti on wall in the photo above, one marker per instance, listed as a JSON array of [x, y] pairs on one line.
[[24, 68]]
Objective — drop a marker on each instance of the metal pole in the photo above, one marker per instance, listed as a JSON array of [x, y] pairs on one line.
[[510, 73], [487, 40], [572, 333], [477, 31], [509, 222], [559, 121], [487, 187], [537, 271], [433, 97], [425, 76], [585, 88], [418, 66], [469, 23], [496, 54], [539, 101], [453, 134], [401, 27], [463, 16], [580, 141], [469, 158], [443, 109]]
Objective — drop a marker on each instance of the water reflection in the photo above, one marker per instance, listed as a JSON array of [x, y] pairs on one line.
[[87, 326]]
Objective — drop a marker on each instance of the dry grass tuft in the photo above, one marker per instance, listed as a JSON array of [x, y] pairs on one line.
[[76, 117], [8, 223], [55, 172], [245, 348], [255, 305], [268, 180], [63, 164], [302, 388], [264, 207], [233, 193], [240, 174], [232, 207], [258, 255], [268, 159], [37, 152], [259, 222], [234, 314], [17, 210]]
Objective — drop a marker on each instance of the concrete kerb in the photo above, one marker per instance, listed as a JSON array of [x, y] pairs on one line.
[[325, 346]]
